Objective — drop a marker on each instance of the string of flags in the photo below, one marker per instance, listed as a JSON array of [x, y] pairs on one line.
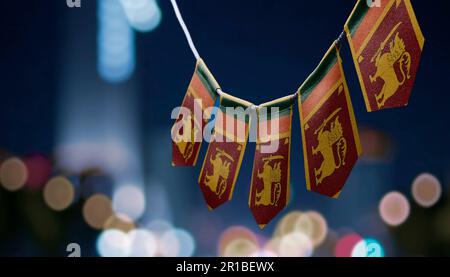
[[386, 44]]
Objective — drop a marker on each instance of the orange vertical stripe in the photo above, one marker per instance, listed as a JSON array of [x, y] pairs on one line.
[[321, 89], [367, 23]]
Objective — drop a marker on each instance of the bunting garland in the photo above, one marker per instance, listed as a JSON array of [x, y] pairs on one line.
[[386, 44]]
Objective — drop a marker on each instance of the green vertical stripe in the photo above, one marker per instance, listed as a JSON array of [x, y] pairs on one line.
[[227, 102], [241, 110], [207, 79], [284, 106], [358, 15], [319, 73], [280, 113]]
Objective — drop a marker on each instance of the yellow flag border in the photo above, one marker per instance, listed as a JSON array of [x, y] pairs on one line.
[[326, 97], [288, 185], [355, 55]]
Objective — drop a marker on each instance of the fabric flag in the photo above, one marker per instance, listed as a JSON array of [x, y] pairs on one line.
[[269, 191], [225, 151], [386, 44], [187, 132], [330, 137]]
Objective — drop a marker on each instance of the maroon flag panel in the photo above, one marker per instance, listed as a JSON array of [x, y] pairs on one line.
[[269, 191], [225, 152], [330, 137], [386, 44], [187, 132]]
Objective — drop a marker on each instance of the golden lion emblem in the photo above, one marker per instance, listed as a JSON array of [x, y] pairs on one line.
[[385, 62], [217, 181], [329, 140], [185, 141], [271, 177]]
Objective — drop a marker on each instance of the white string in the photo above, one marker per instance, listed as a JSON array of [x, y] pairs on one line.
[[185, 29], [194, 50]]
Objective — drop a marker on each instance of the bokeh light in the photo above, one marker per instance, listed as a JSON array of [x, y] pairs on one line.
[[232, 233], [186, 241], [116, 45], [287, 224], [142, 15], [13, 174], [159, 226], [240, 247], [310, 223], [120, 222], [264, 254], [97, 210], [319, 227], [129, 200], [59, 193], [113, 243], [304, 225], [376, 146], [39, 170], [426, 190], [394, 208], [169, 246], [296, 244], [78, 155], [143, 243], [344, 246], [273, 245], [368, 247], [177, 243], [64, 93]]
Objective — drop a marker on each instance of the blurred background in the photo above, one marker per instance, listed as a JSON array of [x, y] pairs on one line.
[[86, 96]]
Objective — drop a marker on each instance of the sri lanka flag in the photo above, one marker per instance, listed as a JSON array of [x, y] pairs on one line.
[[330, 137], [187, 132], [386, 44], [225, 151], [269, 191]]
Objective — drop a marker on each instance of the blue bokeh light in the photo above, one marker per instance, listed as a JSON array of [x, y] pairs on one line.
[[115, 41]]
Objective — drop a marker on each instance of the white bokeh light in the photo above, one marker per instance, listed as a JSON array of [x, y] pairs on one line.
[[129, 200], [264, 254], [368, 248], [142, 15], [176, 243], [360, 250], [169, 246], [113, 243], [142, 243], [296, 244]]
